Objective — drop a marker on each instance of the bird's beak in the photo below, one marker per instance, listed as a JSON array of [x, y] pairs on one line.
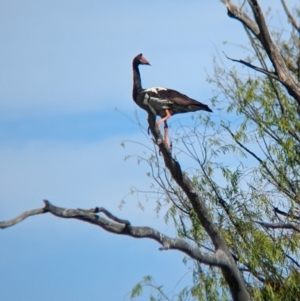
[[144, 61]]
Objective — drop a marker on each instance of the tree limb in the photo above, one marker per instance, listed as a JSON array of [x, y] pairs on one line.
[[279, 226], [292, 215], [261, 32], [21, 217], [271, 74], [290, 17], [236, 13], [123, 227]]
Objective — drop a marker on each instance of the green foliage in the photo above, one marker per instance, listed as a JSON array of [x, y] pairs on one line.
[[136, 291], [156, 292], [264, 124]]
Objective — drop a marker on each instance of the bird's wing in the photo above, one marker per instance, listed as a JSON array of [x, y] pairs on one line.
[[157, 100], [173, 97]]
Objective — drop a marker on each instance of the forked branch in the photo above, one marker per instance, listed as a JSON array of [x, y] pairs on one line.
[[119, 226], [260, 30]]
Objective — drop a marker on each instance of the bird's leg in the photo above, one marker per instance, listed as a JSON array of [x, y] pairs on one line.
[[166, 132], [168, 115]]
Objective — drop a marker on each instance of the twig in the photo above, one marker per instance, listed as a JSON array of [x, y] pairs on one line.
[[279, 226]]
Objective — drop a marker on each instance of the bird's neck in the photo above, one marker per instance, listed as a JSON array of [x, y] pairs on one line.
[[137, 83]]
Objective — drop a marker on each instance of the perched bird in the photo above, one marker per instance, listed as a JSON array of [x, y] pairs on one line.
[[165, 102]]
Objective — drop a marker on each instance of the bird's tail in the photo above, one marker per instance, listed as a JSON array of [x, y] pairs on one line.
[[205, 107]]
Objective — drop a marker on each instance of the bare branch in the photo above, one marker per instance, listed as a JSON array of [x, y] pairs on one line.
[[276, 210], [293, 260], [236, 13], [21, 217], [264, 34], [271, 74], [109, 215], [290, 17], [122, 227], [279, 226], [261, 32]]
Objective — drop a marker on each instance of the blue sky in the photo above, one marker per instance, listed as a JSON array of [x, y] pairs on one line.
[[65, 67]]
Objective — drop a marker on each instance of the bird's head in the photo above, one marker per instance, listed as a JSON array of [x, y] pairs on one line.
[[140, 60]]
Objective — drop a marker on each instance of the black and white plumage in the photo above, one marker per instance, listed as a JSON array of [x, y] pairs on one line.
[[165, 102]]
